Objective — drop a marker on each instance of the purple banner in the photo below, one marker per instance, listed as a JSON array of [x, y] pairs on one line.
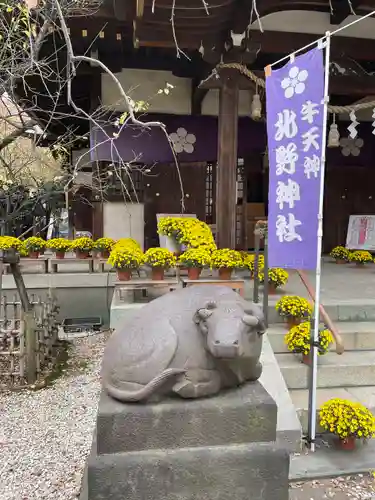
[[294, 96]]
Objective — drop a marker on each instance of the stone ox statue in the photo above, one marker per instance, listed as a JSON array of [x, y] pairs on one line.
[[192, 342]]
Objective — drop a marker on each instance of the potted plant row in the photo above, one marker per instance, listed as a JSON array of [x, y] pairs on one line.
[[298, 340]]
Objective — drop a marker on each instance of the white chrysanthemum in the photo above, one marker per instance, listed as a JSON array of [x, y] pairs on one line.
[[182, 141], [351, 147], [294, 83]]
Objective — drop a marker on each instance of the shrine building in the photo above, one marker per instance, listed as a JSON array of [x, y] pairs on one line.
[[214, 116]]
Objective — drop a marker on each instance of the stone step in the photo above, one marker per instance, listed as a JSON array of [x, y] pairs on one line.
[[352, 369], [300, 397], [354, 310], [356, 336]]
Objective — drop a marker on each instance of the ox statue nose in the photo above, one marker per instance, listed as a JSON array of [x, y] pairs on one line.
[[225, 349]]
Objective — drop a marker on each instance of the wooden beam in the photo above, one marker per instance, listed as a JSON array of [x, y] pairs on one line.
[[227, 165], [341, 10], [281, 43], [197, 97], [217, 79], [271, 42]]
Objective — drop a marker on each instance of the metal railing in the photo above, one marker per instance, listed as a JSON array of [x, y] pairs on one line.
[[261, 233]]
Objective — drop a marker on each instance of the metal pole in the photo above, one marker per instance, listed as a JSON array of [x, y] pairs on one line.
[[315, 333], [256, 267], [265, 285]]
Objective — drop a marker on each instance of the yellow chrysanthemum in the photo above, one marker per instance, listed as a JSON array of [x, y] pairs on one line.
[[226, 258], [160, 257], [126, 257], [104, 244], [34, 244], [347, 419], [59, 244], [83, 244], [340, 253], [276, 276], [298, 339], [360, 256], [9, 242], [195, 257], [187, 231], [294, 306]]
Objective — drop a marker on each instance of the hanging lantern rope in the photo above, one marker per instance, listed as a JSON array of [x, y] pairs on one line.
[[338, 110]]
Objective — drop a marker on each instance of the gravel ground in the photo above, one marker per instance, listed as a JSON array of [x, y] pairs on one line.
[[45, 436], [360, 487]]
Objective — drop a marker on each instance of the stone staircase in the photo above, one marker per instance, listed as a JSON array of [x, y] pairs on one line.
[[349, 376]]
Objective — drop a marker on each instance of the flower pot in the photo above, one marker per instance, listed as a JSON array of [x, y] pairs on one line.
[[340, 261], [348, 443], [104, 254], [157, 274], [124, 274], [82, 254], [33, 254], [291, 322], [359, 264], [225, 273], [306, 360], [271, 289], [194, 273], [60, 255]]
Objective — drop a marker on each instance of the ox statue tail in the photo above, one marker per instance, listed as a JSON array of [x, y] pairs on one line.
[[145, 391]]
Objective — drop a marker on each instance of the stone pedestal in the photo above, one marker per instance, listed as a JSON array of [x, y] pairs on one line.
[[216, 448]]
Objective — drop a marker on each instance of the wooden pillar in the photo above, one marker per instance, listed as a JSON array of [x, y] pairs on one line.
[[227, 164], [97, 195]]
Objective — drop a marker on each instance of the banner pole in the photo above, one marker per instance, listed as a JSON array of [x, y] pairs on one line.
[[315, 333]]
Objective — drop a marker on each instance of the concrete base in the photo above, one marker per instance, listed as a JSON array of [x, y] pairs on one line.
[[244, 415], [237, 472], [288, 430], [207, 448]]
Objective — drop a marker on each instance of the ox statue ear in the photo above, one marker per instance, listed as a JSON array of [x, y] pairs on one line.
[[201, 315], [254, 318], [250, 320], [204, 313]]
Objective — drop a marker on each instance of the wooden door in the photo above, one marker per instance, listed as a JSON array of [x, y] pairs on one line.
[[348, 191], [82, 210], [162, 194]]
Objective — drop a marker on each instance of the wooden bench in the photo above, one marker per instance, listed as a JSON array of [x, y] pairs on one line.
[[42, 261], [125, 288], [238, 285], [55, 263]]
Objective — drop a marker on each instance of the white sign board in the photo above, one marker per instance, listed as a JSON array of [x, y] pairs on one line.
[[361, 233], [167, 241]]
